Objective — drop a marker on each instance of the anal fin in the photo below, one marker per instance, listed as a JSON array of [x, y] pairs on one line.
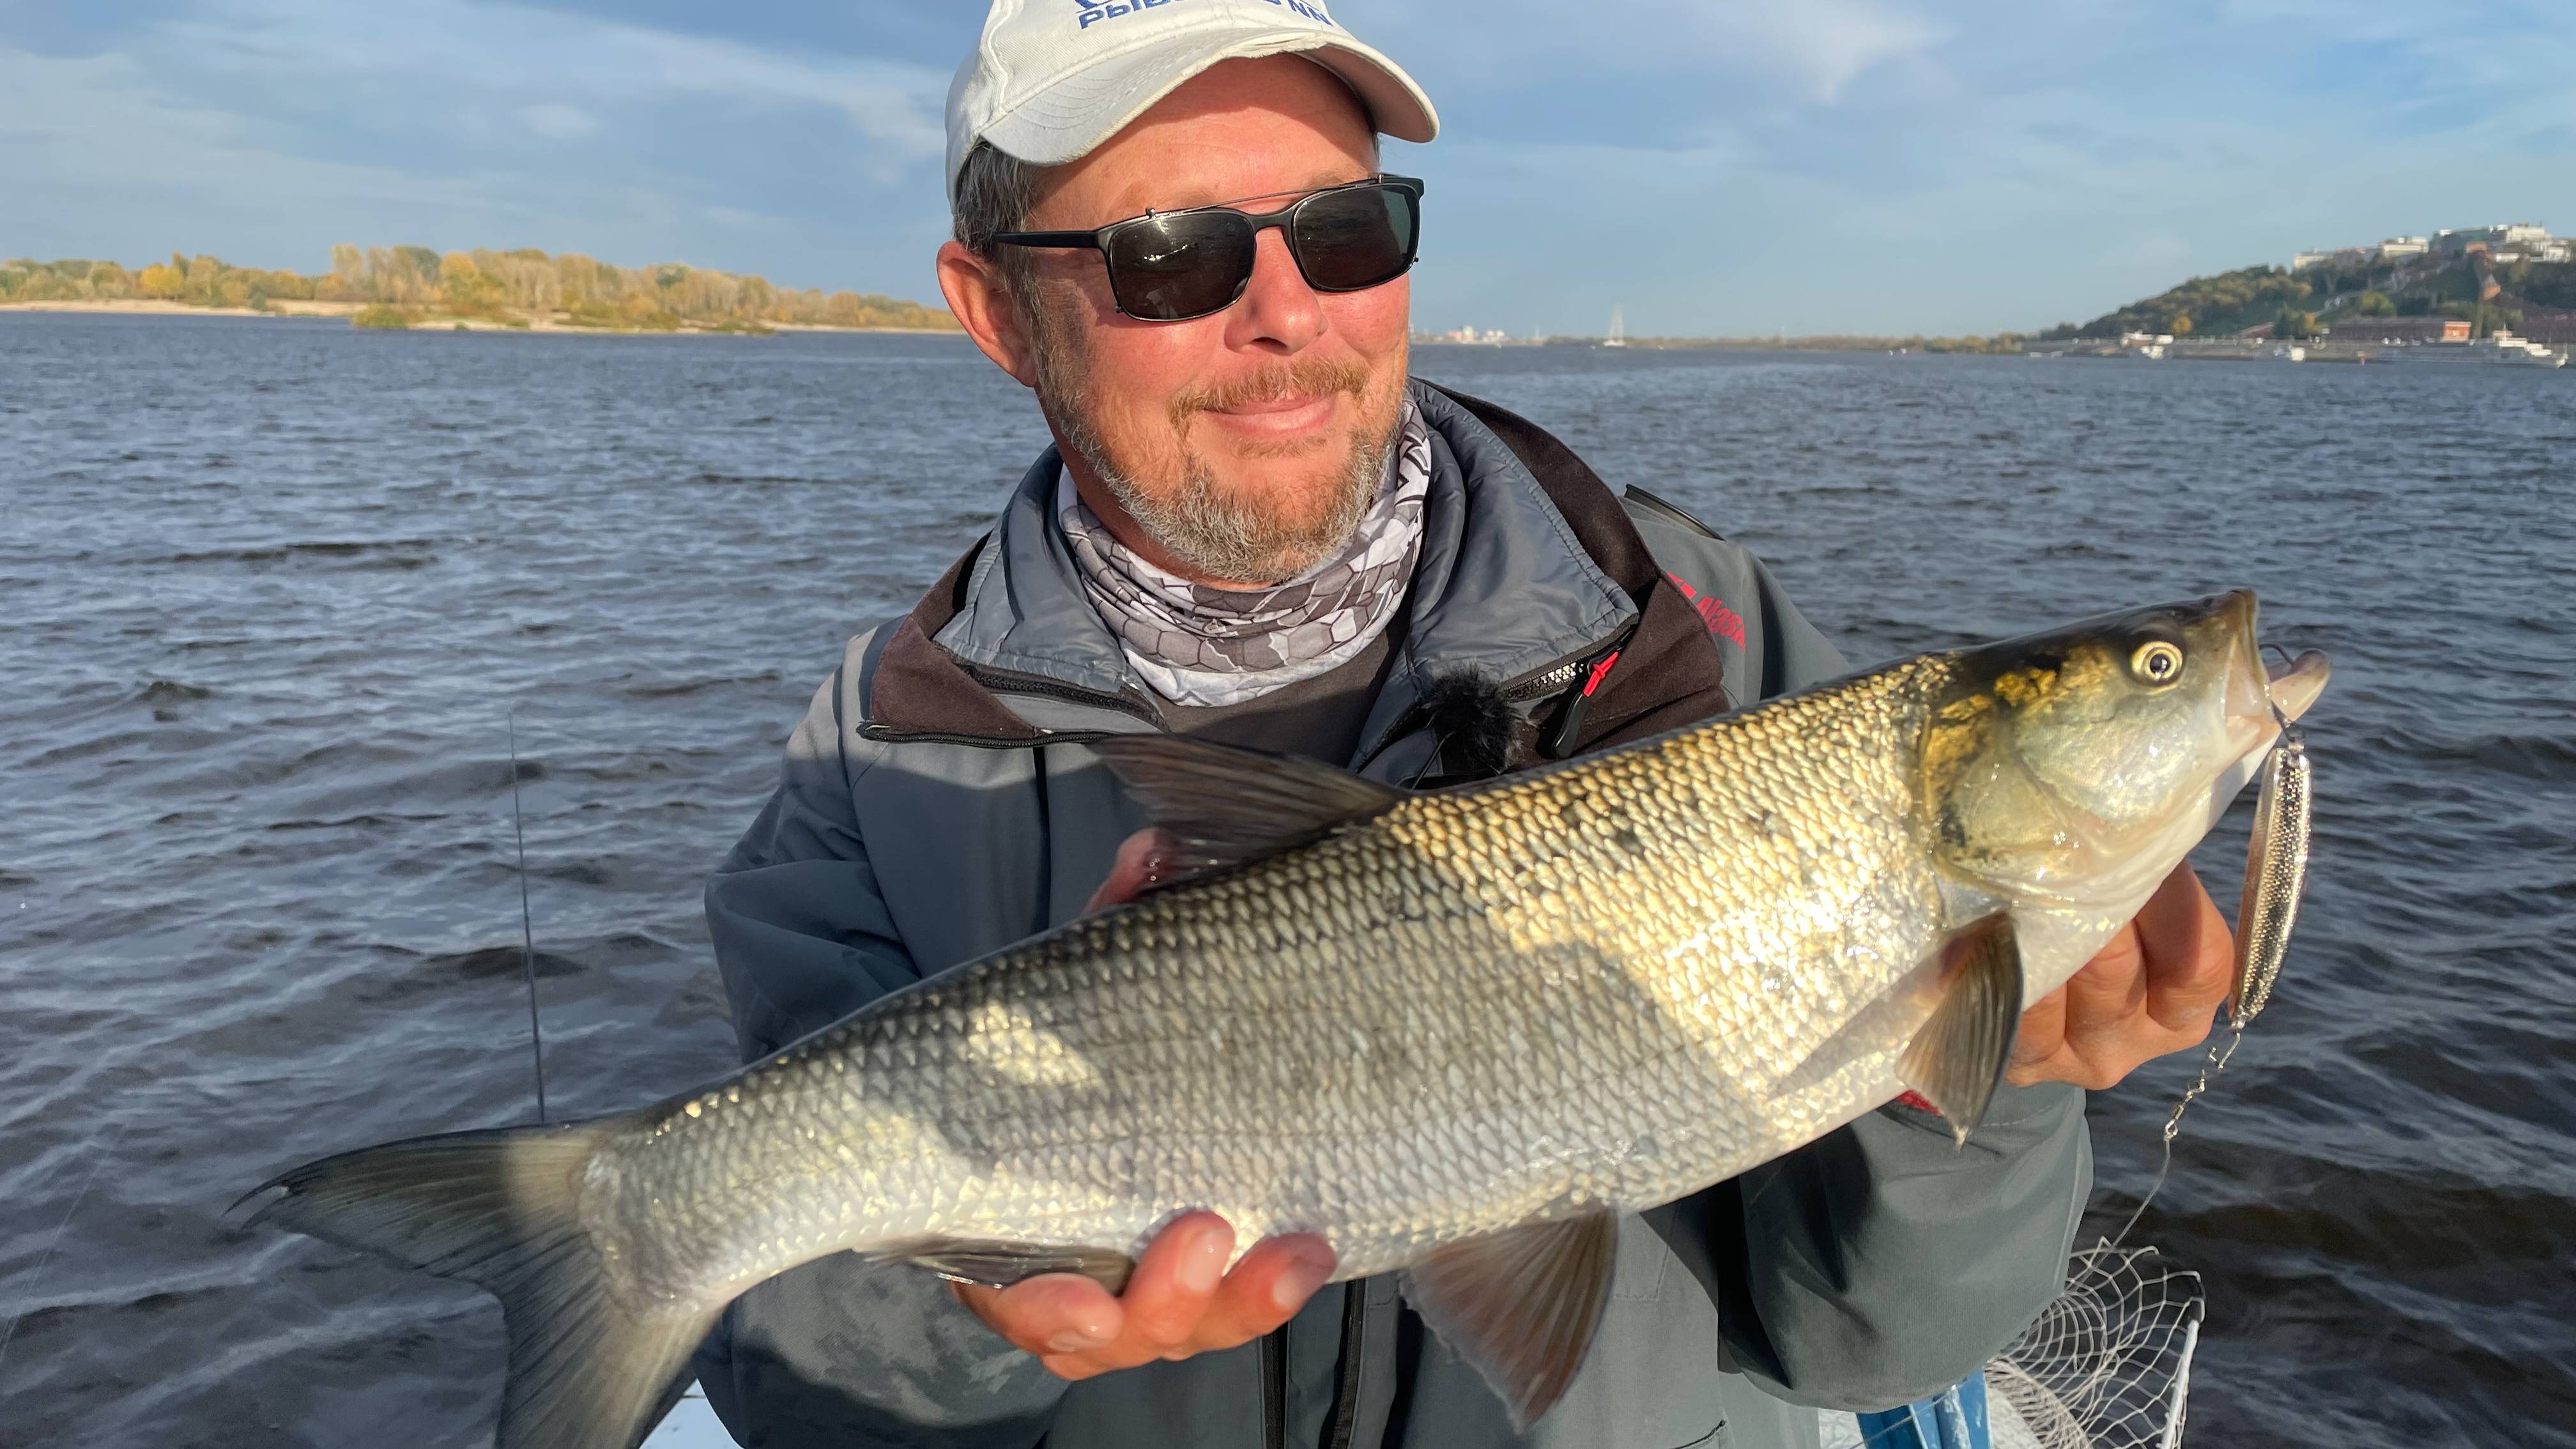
[[1522, 1305], [996, 1264]]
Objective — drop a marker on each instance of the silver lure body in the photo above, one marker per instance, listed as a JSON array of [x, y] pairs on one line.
[[2276, 875]]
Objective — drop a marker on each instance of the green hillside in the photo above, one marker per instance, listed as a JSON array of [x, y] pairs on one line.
[[2485, 294]]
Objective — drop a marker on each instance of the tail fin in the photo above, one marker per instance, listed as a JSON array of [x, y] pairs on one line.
[[589, 1368]]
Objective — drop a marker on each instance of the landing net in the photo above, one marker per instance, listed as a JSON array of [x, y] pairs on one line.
[[2108, 1364]]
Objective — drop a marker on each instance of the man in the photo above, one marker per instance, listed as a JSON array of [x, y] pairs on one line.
[[1253, 527]]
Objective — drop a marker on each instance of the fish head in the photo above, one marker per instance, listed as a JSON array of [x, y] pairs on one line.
[[2072, 770]]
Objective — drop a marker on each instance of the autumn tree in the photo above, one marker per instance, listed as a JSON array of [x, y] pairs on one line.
[[403, 281], [463, 286]]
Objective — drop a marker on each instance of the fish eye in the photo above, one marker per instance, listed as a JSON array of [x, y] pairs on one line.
[[2157, 663]]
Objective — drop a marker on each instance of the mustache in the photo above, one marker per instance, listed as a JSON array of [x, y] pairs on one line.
[[1304, 377]]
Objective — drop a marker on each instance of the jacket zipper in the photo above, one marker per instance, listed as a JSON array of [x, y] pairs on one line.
[[1352, 1367], [1274, 1388], [1006, 681], [884, 735], [1560, 739], [1540, 685], [1549, 680]]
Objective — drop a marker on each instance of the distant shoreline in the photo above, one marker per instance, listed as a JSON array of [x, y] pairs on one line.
[[154, 307]]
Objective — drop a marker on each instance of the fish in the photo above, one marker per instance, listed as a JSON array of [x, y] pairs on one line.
[[2276, 868], [1453, 1032]]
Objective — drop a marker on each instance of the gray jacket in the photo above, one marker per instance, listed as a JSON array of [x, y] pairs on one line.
[[938, 803]]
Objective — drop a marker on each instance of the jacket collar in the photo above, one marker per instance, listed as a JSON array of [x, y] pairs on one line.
[[1527, 561]]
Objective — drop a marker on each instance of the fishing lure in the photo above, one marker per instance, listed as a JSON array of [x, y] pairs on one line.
[[2276, 874]]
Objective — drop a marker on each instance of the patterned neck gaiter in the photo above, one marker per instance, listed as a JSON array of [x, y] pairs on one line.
[[1198, 645]]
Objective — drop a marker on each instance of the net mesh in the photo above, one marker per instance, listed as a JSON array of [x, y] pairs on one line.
[[2108, 1364]]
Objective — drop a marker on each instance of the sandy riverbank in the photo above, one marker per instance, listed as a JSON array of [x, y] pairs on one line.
[[153, 307]]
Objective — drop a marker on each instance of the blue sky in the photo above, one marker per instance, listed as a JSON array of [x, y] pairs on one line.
[[1717, 166]]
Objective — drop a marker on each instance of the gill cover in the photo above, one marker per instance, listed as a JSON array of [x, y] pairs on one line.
[[2064, 766]]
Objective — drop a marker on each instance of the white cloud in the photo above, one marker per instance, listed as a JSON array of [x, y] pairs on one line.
[[466, 48], [1810, 51], [1747, 164], [1824, 45], [557, 121], [100, 122], [263, 130]]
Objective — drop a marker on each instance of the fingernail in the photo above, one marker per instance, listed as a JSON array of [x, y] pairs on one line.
[[1074, 1340], [1299, 1280], [1199, 1268]]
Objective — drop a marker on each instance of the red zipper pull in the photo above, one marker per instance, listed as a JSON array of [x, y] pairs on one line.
[[1561, 740]]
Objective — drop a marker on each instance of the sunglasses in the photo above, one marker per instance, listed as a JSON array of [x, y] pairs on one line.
[[1172, 266]]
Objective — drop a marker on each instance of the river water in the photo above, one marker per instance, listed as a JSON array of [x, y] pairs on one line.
[[271, 594]]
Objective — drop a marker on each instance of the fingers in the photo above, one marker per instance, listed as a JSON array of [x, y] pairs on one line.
[[2041, 1036], [2151, 991], [1078, 1330], [1180, 1300], [1173, 1282], [2190, 958], [1143, 861], [1052, 1313], [1266, 1289], [2112, 987]]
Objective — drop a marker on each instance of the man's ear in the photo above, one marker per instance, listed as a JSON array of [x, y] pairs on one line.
[[984, 306]]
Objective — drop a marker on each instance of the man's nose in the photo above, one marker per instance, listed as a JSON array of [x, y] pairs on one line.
[[1278, 311]]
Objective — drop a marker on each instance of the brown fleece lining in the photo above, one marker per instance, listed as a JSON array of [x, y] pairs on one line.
[[1669, 672]]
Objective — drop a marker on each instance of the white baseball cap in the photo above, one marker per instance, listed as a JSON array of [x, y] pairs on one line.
[[1051, 79]]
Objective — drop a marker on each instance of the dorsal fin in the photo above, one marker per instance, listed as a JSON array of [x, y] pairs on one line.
[[1222, 805]]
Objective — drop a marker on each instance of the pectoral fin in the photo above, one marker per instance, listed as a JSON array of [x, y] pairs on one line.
[[1521, 1305], [1957, 1059]]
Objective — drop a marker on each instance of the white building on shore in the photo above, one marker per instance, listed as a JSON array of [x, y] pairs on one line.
[[2521, 239]]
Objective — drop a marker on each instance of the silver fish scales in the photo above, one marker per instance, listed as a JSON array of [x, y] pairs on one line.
[[1450, 1033]]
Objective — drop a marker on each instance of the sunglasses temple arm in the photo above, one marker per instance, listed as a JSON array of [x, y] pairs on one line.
[[1089, 239]]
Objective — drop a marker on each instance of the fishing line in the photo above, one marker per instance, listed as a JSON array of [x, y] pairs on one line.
[[527, 922], [97, 1160], [2210, 1065]]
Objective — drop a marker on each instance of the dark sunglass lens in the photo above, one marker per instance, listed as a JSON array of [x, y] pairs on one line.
[[1168, 268], [1362, 237]]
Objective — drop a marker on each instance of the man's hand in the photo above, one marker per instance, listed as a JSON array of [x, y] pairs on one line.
[[1144, 861], [2153, 990], [1181, 1300]]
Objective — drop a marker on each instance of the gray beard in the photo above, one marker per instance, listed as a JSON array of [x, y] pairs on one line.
[[1199, 525]]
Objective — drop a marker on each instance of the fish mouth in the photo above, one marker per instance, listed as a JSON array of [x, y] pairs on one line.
[[2294, 684], [2263, 697]]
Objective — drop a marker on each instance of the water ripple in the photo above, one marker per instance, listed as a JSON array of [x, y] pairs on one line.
[[259, 902]]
